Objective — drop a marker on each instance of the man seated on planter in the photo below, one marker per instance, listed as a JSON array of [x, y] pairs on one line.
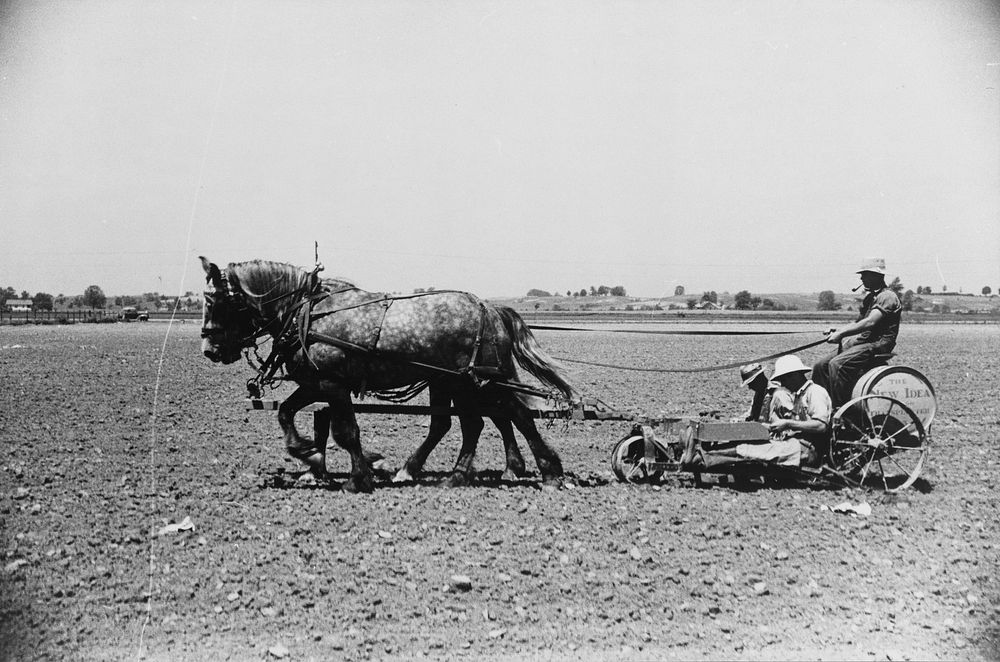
[[799, 426]]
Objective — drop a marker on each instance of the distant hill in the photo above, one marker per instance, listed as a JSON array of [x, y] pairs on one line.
[[943, 303]]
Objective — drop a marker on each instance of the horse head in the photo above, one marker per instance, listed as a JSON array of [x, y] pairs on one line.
[[227, 321]]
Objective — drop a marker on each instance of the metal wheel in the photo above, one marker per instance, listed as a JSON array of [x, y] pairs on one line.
[[878, 440], [628, 460]]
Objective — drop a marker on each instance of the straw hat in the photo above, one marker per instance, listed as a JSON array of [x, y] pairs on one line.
[[788, 364], [873, 264], [749, 372]]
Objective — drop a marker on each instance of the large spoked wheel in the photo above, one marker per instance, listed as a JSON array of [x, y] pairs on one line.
[[628, 460], [877, 440]]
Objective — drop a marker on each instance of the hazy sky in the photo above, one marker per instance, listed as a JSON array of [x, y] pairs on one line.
[[501, 146]]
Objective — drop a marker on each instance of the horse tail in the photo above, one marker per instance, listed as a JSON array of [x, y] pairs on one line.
[[529, 353]]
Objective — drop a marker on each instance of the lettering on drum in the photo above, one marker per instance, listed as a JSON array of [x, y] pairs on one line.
[[903, 384]]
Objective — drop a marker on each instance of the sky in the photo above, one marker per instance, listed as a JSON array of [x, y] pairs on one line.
[[497, 147]]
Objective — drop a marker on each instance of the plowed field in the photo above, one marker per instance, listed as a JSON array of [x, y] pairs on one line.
[[102, 446]]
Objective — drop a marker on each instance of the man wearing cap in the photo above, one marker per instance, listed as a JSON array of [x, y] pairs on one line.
[[875, 329], [754, 378], [799, 425]]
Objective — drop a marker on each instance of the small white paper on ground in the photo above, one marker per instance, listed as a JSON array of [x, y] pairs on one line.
[[184, 525]]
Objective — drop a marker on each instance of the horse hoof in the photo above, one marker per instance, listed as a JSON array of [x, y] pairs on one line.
[[553, 481], [457, 479], [510, 476], [403, 476], [355, 485]]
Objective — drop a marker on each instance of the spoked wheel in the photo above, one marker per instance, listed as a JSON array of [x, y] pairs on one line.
[[628, 460], [878, 440]]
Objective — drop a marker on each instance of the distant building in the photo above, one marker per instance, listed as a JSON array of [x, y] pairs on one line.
[[18, 305]]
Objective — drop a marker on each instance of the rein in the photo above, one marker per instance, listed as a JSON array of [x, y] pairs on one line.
[[712, 368]]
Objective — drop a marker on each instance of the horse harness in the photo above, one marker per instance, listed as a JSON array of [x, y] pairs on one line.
[[293, 337]]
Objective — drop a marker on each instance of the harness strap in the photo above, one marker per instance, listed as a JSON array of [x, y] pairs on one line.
[[354, 347]]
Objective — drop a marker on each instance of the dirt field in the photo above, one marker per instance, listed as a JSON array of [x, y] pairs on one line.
[[278, 569]]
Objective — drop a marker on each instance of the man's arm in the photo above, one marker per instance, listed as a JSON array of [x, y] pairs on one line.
[[873, 318], [812, 426]]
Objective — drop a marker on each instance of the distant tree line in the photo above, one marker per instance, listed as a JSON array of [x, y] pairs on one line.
[[599, 291], [94, 298]]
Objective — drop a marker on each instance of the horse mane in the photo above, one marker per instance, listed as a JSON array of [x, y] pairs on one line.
[[263, 279]]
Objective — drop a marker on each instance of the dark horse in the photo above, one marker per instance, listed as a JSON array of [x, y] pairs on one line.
[[334, 339]]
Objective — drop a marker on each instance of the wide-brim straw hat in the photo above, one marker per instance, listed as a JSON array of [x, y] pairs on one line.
[[788, 364], [873, 264]]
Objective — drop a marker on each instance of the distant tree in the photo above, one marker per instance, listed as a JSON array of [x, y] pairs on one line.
[[710, 296], [538, 293], [896, 286], [593, 291], [583, 292], [618, 291], [742, 300], [603, 291], [907, 300], [7, 293], [827, 301], [679, 291], [42, 301], [25, 294], [944, 288], [93, 297], [755, 303], [987, 291], [568, 293], [691, 303]]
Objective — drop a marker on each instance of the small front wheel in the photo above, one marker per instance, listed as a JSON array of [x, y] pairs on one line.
[[628, 460], [878, 438]]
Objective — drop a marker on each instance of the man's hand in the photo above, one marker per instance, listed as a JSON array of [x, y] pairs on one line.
[[834, 336], [779, 426]]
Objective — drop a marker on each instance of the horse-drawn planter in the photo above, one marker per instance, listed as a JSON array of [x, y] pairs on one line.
[[335, 340], [880, 437]]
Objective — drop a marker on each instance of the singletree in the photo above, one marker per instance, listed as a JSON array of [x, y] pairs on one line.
[[987, 291]]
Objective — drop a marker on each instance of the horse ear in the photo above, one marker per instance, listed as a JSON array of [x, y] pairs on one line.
[[213, 275]]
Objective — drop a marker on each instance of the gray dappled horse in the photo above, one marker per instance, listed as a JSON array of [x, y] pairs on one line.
[[334, 339]]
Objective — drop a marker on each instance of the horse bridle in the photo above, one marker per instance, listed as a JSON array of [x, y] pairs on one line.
[[237, 311]]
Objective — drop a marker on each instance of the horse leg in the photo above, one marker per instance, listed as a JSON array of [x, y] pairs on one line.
[[472, 427], [440, 424], [321, 428], [515, 461], [546, 457], [299, 447], [344, 427]]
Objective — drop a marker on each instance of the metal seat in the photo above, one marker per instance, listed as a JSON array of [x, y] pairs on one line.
[[882, 359]]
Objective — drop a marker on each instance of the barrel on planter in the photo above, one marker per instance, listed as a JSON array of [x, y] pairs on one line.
[[904, 384]]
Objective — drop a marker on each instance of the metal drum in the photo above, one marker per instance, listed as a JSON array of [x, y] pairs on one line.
[[904, 384]]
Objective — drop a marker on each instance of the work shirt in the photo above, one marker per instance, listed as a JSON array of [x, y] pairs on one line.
[[811, 402], [882, 335]]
